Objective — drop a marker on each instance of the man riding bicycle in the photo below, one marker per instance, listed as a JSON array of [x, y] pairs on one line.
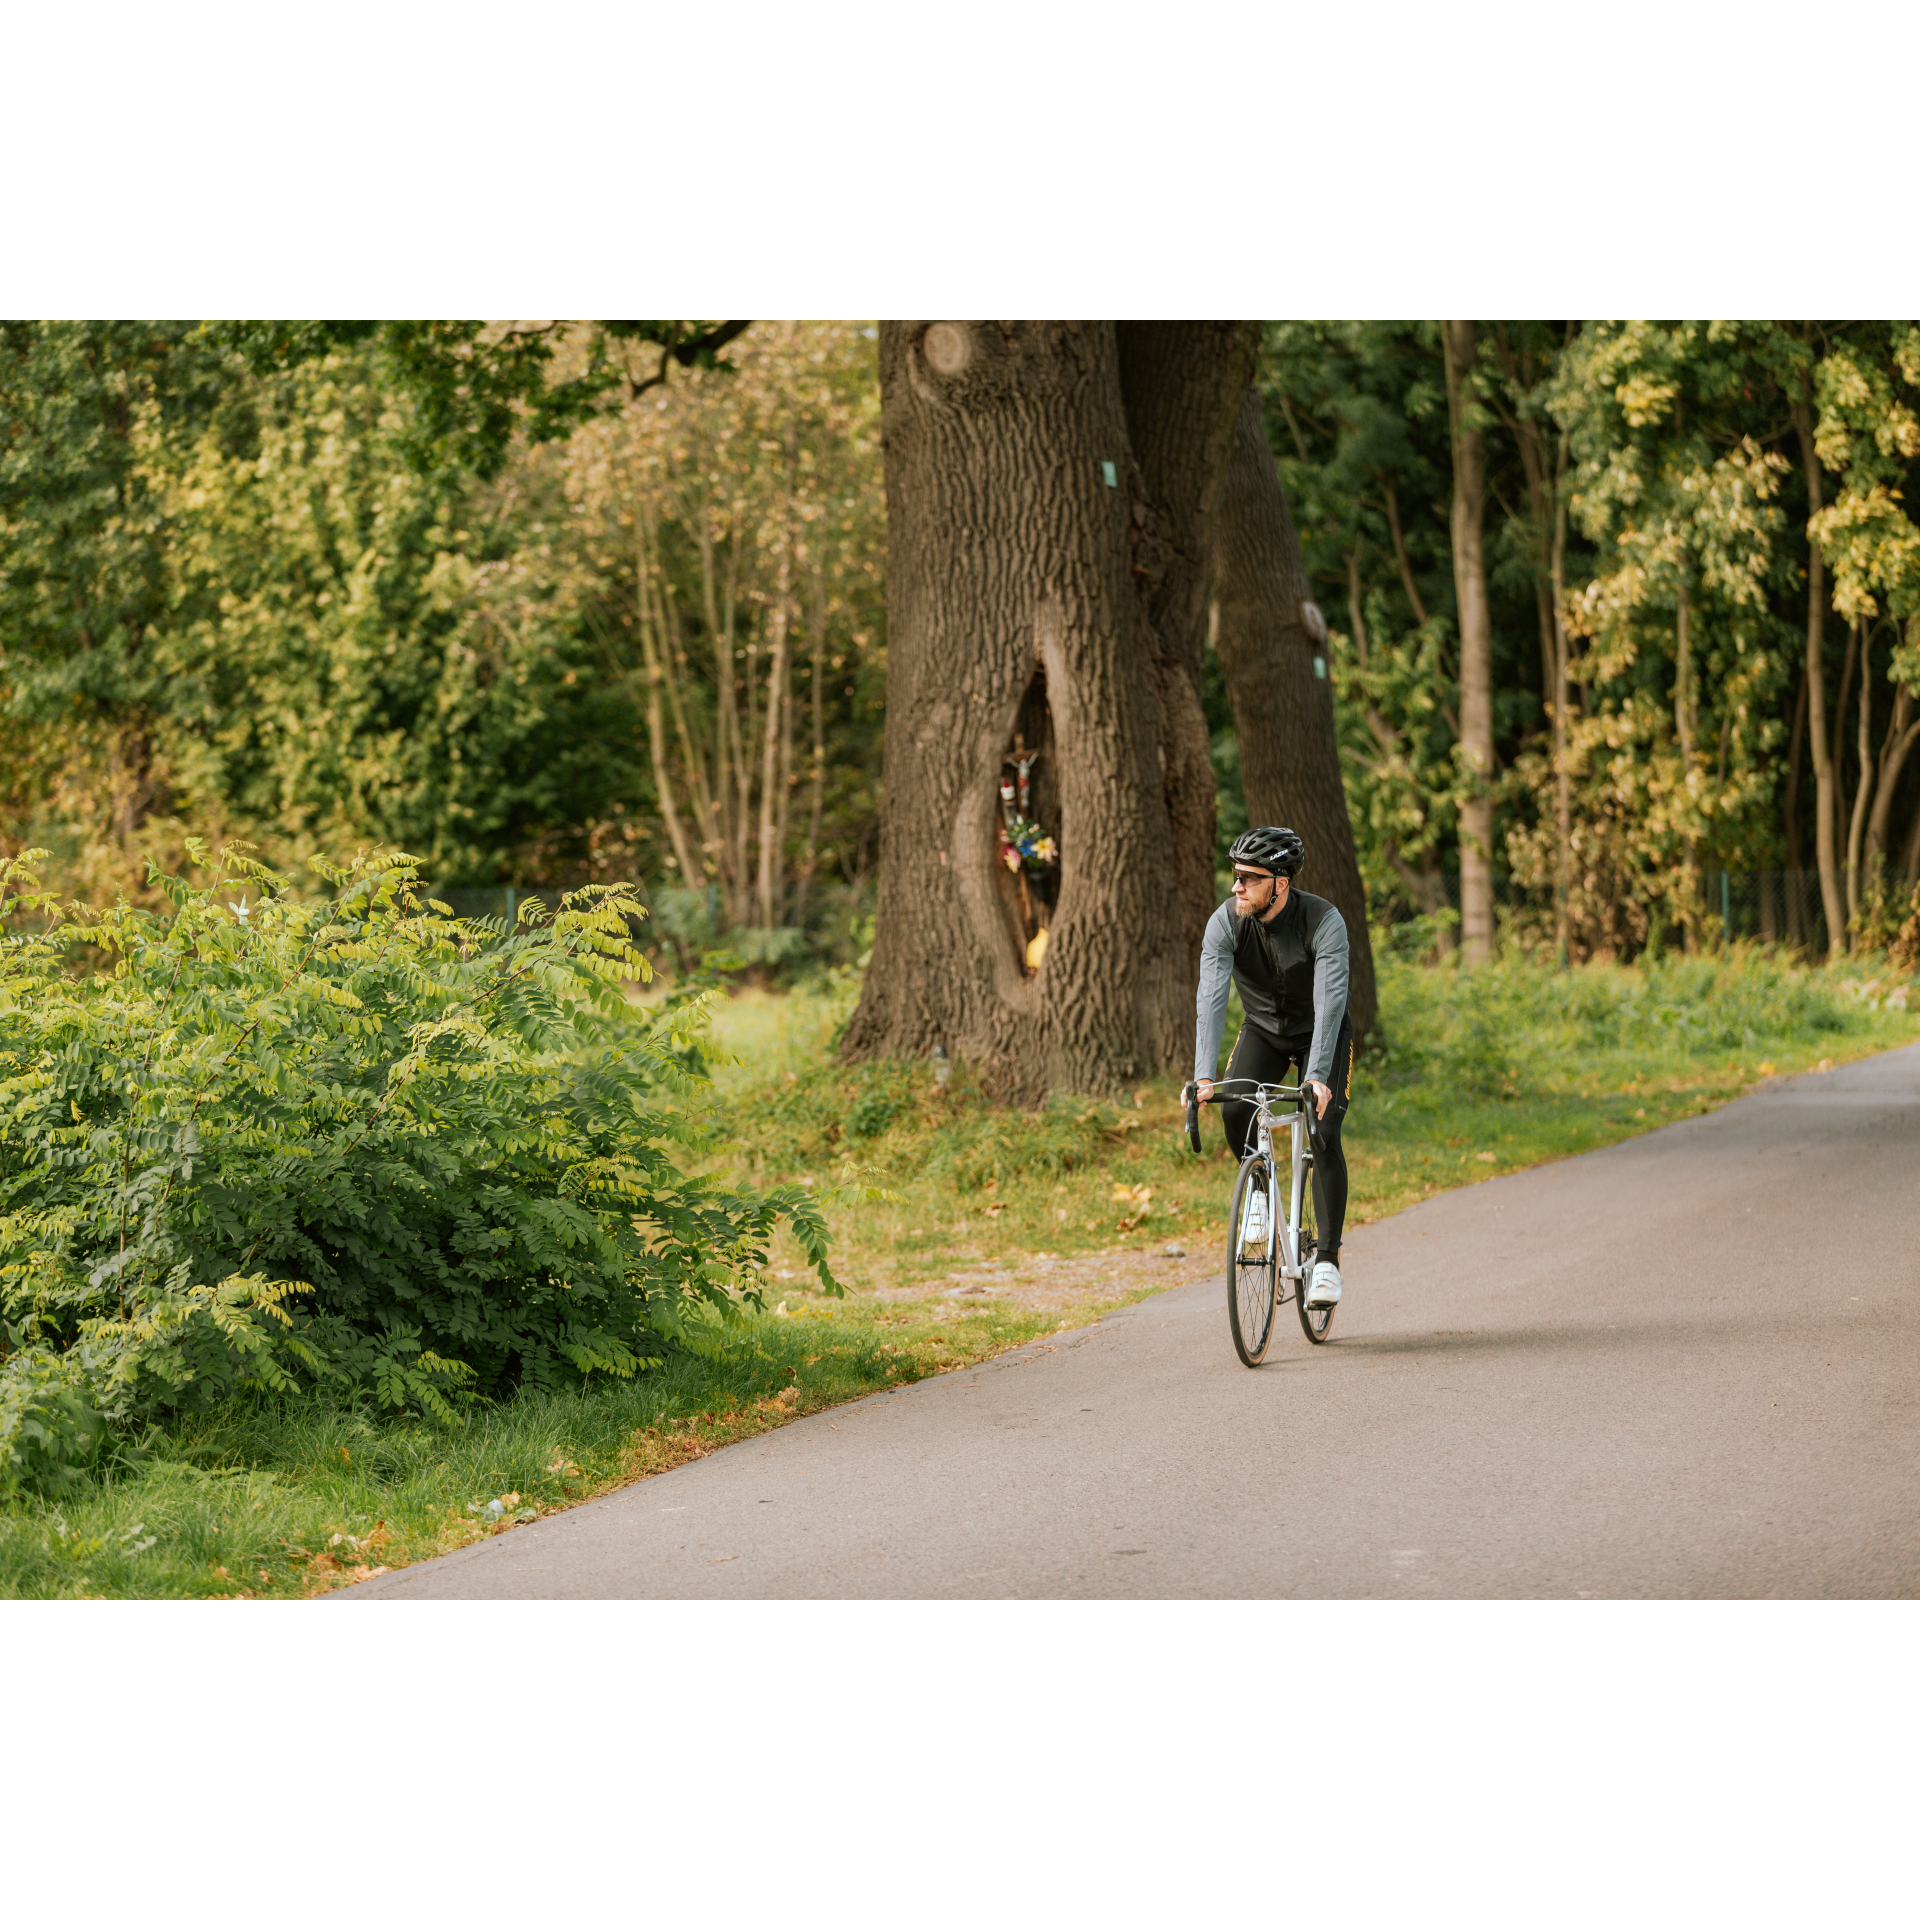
[[1287, 953]]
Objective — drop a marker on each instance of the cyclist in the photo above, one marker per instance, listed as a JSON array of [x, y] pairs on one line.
[[1287, 953]]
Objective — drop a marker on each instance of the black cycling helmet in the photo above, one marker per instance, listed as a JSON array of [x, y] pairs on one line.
[[1278, 849]]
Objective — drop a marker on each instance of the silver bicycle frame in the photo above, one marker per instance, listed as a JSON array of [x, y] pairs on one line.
[[1301, 1159]]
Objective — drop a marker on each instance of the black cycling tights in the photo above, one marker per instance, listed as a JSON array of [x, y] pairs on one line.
[[1256, 1056]]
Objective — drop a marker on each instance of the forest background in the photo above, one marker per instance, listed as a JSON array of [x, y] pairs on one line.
[[277, 604]]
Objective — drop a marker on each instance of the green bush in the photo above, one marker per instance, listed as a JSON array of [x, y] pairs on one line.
[[265, 1140]]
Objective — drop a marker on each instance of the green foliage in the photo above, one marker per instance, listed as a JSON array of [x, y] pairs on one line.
[[1662, 462], [1357, 413], [358, 651], [475, 386], [267, 1141], [238, 601], [1516, 1027]]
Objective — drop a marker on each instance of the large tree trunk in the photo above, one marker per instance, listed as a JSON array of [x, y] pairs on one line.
[[1181, 382], [1459, 339], [1272, 639], [1025, 568]]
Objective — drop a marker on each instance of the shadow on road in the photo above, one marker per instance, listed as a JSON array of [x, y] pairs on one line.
[[1603, 1337]]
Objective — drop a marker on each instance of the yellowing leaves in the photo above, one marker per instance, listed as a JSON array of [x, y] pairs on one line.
[[1870, 544], [1644, 399]]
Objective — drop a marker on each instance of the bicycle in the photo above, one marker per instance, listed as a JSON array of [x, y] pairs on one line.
[[1256, 1270]]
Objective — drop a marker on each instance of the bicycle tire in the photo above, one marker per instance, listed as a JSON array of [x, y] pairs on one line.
[[1252, 1279], [1314, 1321]]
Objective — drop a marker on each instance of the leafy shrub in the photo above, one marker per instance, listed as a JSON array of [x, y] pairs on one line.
[[266, 1139]]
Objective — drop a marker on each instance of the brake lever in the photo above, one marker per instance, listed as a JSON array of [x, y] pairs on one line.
[[1190, 1099]]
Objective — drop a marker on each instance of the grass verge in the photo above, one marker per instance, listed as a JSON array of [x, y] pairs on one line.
[[1002, 1227]]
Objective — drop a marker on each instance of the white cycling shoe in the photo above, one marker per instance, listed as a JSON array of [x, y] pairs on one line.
[[1253, 1223], [1324, 1289]]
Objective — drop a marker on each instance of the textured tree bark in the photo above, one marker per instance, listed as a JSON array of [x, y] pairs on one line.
[[1476, 643], [1027, 561], [1825, 804], [1272, 640], [1181, 382]]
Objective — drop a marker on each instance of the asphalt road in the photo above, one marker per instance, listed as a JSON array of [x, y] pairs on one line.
[[1684, 1366]]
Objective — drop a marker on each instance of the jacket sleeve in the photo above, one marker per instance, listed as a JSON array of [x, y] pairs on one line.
[[1329, 949], [1210, 1003]]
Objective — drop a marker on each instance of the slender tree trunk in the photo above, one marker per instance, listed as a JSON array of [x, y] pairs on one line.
[[1902, 731], [1825, 805], [657, 728], [1796, 905], [1540, 510], [1010, 582], [1459, 339], [772, 786], [1562, 773], [817, 752], [1272, 644], [1408, 584], [1683, 723], [1863, 792], [740, 715], [726, 731]]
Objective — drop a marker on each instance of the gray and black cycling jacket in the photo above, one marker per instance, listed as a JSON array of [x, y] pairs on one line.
[[1292, 976]]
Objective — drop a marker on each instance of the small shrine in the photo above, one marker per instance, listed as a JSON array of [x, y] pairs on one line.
[[1029, 832]]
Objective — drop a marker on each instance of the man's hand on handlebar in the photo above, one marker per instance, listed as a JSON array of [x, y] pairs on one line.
[[1203, 1092]]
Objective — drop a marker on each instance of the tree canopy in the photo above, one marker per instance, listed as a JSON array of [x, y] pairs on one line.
[[543, 602]]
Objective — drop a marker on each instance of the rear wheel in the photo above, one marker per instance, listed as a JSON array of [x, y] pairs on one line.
[[1314, 1321], [1253, 1261]]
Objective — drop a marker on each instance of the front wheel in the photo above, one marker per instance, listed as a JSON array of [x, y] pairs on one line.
[[1314, 1321], [1253, 1260]]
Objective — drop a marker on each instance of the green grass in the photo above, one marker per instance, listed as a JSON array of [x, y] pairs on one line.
[[1473, 1075], [289, 1497], [1470, 1075]]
